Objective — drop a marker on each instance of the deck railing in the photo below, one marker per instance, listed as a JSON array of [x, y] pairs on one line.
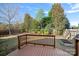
[[26, 42], [54, 45], [77, 45]]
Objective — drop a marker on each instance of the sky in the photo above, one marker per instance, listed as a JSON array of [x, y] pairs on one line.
[[71, 10]]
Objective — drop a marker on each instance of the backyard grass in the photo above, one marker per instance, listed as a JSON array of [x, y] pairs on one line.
[[7, 46]]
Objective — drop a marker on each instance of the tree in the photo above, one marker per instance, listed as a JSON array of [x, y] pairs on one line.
[[39, 15], [78, 26], [34, 24], [59, 18], [8, 13], [3, 26], [50, 12], [27, 22], [51, 25], [66, 22], [22, 28], [45, 21], [17, 25]]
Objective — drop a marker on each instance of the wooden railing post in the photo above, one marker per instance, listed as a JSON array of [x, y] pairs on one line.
[[77, 47], [54, 41], [18, 43], [26, 38]]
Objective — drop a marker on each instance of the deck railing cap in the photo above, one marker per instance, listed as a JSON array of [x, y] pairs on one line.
[[31, 34]]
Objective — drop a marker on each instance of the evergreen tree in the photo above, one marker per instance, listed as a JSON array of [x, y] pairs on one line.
[[50, 13], [60, 20], [51, 25], [66, 22]]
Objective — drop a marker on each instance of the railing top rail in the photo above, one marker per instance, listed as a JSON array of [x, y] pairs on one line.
[[30, 34]]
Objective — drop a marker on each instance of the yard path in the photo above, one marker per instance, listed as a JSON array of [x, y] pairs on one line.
[[12, 36]]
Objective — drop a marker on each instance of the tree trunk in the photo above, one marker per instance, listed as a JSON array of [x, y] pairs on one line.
[[9, 28]]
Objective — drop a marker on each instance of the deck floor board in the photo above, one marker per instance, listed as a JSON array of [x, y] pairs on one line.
[[38, 50]]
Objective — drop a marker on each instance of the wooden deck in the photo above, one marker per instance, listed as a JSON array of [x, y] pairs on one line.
[[38, 50]]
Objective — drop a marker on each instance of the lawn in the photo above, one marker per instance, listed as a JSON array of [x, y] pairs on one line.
[[7, 45]]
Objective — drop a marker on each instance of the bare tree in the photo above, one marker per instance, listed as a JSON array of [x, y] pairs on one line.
[[8, 13]]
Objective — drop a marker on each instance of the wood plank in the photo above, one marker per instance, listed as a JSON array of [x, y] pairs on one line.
[[38, 50]]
